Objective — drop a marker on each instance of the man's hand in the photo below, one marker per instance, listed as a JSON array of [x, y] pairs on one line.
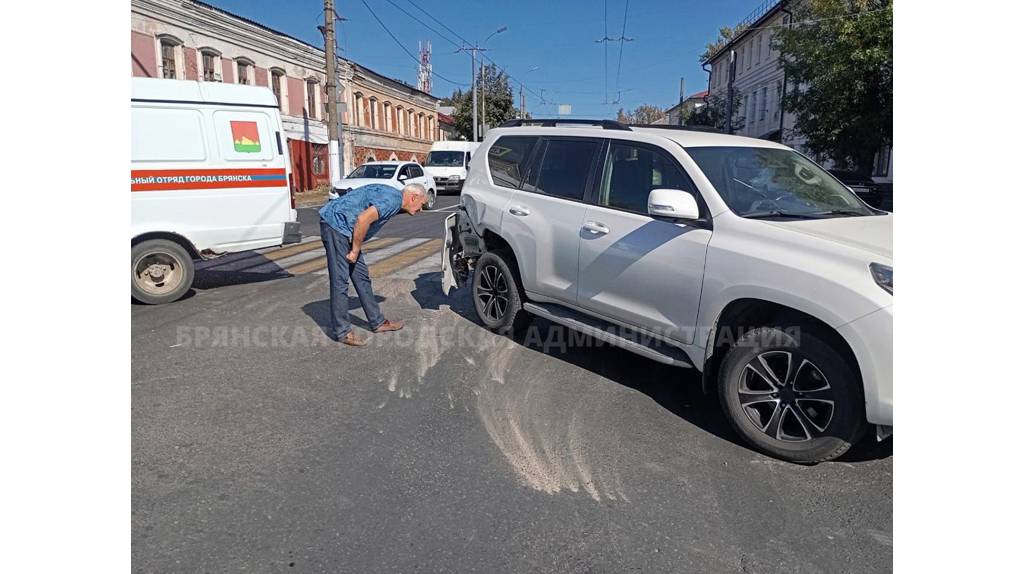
[[352, 256]]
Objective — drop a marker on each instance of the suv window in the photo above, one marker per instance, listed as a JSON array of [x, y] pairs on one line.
[[507, 159], [630, 173], [563, 167]]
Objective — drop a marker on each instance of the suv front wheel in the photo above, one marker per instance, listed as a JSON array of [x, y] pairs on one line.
[[496, 294], [791, 395]]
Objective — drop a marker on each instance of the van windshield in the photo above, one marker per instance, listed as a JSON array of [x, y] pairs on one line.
[[373, 171], [768, 182], [445, 158]]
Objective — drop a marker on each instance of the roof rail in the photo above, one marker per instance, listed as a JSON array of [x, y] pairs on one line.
[[555, 122], [684, 128]]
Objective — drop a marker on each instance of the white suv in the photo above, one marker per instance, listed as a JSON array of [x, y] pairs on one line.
[[736, 256]]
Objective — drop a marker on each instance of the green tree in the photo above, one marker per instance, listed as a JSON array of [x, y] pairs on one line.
[[725, 34], [643, 114], [838, 58], [712, 113], [499, 101]]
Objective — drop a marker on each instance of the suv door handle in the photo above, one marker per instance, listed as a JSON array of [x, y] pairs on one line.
[[519, 210], [596, 228]]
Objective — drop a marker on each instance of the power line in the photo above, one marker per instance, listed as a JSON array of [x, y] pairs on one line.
[[425, 25], [402, 46], [622, 39], [466, 42], [443, 25]]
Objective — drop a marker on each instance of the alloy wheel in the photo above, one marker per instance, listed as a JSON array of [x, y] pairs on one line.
[[492, 292], [788, 403]]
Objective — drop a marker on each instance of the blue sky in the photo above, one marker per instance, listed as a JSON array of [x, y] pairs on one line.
[[556, 35]]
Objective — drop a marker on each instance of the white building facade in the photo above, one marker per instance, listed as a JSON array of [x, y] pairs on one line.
[[759, 81]]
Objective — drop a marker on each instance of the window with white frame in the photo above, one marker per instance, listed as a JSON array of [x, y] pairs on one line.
[[752, 115], [277, 84], [757, 48], [373, 113], [764, 103], [358, 112], [245, 71], [210, 59], [169, 57], [312, 87], [387, 117]]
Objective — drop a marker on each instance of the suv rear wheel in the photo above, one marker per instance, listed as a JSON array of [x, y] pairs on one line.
[[496, 294], [795, 398]]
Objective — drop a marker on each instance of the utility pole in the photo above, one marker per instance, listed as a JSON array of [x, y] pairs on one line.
[[729, 92], [333, 119], [682, 98], [483, 99], [522, 104], [476, 130], [473, 50]]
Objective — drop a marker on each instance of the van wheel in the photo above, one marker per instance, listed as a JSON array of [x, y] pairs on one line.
[[791, 396], [431, 198], [497, 296], [162, 271]]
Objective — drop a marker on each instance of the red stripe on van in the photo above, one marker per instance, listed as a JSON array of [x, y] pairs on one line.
[[169, 179]]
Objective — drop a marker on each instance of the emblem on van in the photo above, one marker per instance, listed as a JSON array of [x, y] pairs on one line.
[[246, 137]]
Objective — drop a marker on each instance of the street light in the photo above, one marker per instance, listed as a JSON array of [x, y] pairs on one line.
[[522, 97], [483, 91]]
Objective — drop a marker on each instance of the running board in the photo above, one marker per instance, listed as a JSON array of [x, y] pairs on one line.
[[637, 342]]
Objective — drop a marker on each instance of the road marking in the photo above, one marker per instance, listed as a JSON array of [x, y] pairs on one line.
[[373, 251], [405, 258], [450, 207]]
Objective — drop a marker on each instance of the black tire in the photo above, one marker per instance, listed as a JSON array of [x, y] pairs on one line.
[[793, 420], [170, 260], [497, 295]]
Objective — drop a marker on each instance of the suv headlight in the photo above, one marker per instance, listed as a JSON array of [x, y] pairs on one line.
[[882, 275]]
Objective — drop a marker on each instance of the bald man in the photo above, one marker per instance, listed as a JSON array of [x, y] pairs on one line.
[[345, 223]]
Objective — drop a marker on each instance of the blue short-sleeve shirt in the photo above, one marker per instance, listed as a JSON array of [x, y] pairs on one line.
[[341, 213]]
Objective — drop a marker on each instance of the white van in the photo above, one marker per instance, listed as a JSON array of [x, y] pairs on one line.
[[210, 175], [448, 162]]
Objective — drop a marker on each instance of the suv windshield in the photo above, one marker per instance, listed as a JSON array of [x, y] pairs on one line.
[[766, 182], [445, 159], [373, 171]]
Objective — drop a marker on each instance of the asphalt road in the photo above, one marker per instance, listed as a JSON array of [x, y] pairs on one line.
[[423, 224], [259, 445]]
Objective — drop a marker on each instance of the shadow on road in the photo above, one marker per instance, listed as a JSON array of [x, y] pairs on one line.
[[675, 389], [319, 312]]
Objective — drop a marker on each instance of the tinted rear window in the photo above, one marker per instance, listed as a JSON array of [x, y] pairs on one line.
[[507, 159], [563, 168]]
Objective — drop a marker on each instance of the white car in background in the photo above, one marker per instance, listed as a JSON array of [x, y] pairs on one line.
[[397, 174]]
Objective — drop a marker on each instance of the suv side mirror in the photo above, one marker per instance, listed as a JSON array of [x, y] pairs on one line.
[[403, 177], [673, 203]]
